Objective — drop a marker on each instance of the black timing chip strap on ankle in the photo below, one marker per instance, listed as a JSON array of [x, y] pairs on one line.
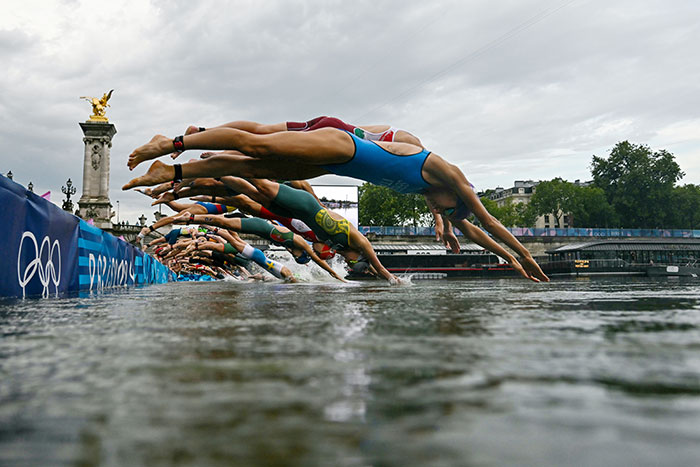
[[201, 128], [179, 143], [189, 221], [178, 173]]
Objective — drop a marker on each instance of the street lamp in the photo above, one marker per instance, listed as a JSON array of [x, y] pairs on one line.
[[68, 190], [117, 211], [142, 220], [9, 175], [30, 187]]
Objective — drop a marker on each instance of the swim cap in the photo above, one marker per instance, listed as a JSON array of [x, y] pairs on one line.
[[461, 211], [360, 265], [326, 252], [303, 258]]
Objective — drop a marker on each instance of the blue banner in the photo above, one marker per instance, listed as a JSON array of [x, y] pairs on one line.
[[45, 251]]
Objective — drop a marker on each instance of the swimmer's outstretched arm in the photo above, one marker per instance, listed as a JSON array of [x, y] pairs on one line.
[[156, 241], [476, 235], [443, 228], [299, 242], [359, 242], [452, 177]]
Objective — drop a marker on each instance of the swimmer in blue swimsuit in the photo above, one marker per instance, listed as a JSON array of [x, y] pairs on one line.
[[303, 155]]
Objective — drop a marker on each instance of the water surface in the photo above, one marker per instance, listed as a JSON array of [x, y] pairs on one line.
[[475, 372]]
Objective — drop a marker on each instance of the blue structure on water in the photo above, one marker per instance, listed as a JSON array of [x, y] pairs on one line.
[[45, 251]]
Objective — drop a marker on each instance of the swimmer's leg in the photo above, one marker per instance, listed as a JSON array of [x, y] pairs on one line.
[[220, 166], [273, 267], [324, 146]]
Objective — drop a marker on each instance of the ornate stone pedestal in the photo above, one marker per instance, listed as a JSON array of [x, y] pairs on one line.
[[94, 203]]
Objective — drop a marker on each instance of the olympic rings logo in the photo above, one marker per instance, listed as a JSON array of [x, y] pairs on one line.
[[46, 271]]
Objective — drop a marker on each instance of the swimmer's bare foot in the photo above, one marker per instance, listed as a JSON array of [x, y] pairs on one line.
[[158, 146], [146, 191], [181, 218], [190, 129], [164, 198], [157, 173], [162, 188]]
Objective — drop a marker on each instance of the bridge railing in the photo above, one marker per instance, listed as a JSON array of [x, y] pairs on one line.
[[535, 232]]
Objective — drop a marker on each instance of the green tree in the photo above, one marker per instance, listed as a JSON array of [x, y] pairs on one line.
[[380, 205], [556, 197], [684, 208], [638, 183], [590, 208], [510, 214]]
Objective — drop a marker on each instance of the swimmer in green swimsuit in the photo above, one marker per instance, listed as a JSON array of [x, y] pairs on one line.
[[329, 227], [296, 245]]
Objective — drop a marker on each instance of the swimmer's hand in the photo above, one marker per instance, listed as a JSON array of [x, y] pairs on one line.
[[395, 280], [530, 272], [534, 272], [450, 240], [337, 276]]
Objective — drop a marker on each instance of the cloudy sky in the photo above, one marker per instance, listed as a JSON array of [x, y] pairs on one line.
[[508, 90]]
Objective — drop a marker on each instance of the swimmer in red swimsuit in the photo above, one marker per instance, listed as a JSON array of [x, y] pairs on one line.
[[368, 132]]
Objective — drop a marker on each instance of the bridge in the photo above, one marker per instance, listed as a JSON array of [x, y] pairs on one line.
[[536, 240]]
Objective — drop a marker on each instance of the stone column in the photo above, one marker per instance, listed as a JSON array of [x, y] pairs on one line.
[[94, 203]]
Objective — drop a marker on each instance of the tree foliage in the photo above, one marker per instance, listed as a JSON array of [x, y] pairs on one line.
[[590, 208], [638, 183], [684, 209], [586, 206], [380, 205], [555, 197], [510, 214]]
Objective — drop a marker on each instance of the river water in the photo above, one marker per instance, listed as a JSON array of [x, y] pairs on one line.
[[477, 372]]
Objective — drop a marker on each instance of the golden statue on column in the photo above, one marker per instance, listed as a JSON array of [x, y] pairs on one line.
[[99, 106]]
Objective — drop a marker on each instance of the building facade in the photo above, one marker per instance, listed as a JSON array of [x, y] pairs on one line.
[[521, 192]]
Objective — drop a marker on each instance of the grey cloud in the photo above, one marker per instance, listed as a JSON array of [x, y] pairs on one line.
[[500, 100]]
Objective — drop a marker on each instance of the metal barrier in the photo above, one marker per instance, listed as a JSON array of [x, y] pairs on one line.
[[535, 232]]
